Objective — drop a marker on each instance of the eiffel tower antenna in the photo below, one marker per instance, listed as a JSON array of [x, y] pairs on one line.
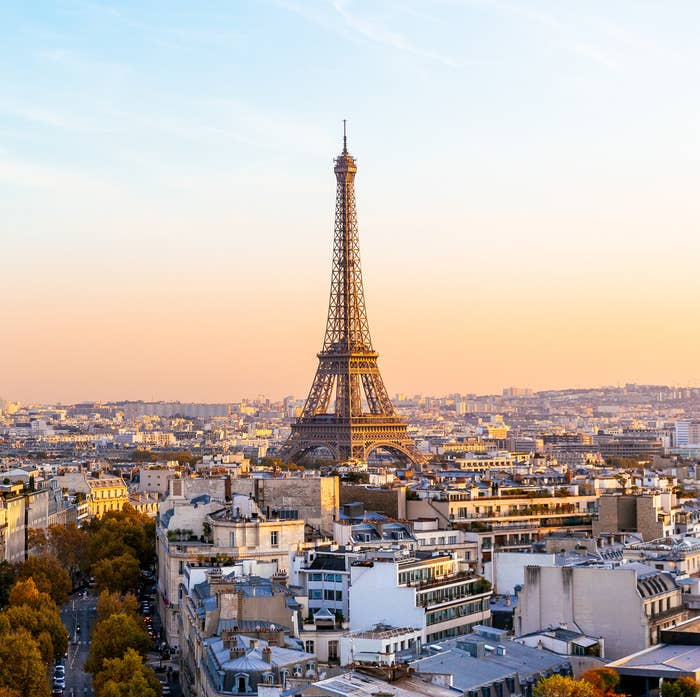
[[347, 378]]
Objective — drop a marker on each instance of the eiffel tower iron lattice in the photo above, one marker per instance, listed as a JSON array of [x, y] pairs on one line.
[[334, 415]]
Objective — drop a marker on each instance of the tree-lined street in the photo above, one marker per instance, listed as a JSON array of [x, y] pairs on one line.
[[78, 612]]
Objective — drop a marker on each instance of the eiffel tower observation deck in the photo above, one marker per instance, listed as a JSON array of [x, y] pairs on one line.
[[348, 411]]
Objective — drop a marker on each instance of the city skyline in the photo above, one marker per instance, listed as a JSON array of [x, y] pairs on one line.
[[526, 195]]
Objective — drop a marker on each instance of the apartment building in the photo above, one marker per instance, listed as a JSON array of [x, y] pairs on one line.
[[512, 521], [220, 610], [652, 515], [426, 591], [626, 605], [229, 531]]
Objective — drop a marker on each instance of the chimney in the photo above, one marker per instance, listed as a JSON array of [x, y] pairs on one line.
[[237, 652], [267, 655], [230, 639]]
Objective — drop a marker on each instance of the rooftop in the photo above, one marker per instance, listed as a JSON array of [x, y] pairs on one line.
[[469, 672]]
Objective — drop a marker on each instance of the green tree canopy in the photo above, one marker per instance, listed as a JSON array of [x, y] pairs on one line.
[[561, 686], [126, 677], [112, 637], [122, 532], [683, 687], [7, 580], [119, 574]]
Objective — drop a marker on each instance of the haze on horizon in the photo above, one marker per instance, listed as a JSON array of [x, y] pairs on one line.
[[527, 194]]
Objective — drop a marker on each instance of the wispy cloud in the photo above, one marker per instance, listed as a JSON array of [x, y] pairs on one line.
[[376, 32], [366, 28]]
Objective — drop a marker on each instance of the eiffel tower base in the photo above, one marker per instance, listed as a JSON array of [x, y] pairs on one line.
[[354, 441]]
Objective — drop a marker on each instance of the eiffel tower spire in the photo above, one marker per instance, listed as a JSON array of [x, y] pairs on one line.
[[348, 378]]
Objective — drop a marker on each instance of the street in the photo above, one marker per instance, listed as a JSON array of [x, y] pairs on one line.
[[78, 612]]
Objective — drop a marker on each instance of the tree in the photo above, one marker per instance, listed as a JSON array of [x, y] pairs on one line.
[[9, 692], [49, 576], [112, 637], [37, 613], [126, 677], [120, 574], [7, 580], [605, 680], [36, 540], [69, 543], [119, 532], [109, 604], [561, 686], [21, 667], [683, 687]]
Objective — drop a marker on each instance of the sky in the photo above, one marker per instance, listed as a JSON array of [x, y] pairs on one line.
[[527, 193]]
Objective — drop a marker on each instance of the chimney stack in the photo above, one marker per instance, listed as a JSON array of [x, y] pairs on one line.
[[267, 655]]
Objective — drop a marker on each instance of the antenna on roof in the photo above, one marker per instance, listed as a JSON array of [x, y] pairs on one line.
[[345, 136]]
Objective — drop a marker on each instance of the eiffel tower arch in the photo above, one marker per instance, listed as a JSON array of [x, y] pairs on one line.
[[348, 411]]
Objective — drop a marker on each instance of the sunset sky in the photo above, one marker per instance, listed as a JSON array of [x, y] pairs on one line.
[[528, 193]]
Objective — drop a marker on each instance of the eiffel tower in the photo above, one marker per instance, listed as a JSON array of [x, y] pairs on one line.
[[347, 363]]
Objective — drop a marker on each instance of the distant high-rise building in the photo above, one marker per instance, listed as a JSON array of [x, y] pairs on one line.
[[517, 392], [687, 433]]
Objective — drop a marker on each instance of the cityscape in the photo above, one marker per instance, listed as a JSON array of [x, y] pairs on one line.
[[330, 535]]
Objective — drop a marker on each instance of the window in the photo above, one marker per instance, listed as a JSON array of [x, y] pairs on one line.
[[315, 594], [338, 578], [274, 538], [328, 595], [315, 577], [242, 682], [333, 650], [309, 646], [233, 539]]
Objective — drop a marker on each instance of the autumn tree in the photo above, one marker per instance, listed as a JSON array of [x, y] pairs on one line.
[[49, 576], [605, 680], [126, 677], [561, 686], [36, 612], [118, 574], [109, 604], [112, 637], [9, 692], [36, 540], [22, 670], [69, 544], [683, 687]]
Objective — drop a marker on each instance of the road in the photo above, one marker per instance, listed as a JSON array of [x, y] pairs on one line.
[[78, 612]]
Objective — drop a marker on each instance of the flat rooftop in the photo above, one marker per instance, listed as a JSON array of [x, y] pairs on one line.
[[662, 660]]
